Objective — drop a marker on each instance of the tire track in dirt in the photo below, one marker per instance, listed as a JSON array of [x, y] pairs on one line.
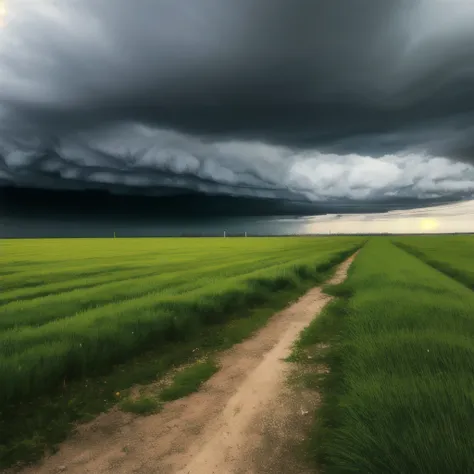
[[236, 423]]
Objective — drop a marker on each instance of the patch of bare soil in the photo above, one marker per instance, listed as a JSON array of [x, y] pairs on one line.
[[245, 419]]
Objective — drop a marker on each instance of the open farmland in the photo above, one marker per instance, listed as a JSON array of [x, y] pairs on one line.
[[399, 343], [392, 357], [72, 309], [453, 255]]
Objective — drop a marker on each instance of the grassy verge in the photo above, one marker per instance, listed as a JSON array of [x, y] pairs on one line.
[[144, 405], [189, 380], [453, 256], [30, 428], [185, 381], [399, 396]]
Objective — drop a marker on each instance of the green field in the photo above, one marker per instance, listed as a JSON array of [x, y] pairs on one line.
[[400, 394], [82, 319], [453, 255], [71, 310]]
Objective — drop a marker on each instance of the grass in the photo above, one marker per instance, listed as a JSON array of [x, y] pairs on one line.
[[60, 365], [452, 255], [141, 405], [189, 380], [186, 380], [399, 397], [72, 334]]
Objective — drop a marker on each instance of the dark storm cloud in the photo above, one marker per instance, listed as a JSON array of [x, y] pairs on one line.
[[351, 99]]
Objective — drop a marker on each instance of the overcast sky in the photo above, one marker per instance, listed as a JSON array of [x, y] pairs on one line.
[[347, 99]]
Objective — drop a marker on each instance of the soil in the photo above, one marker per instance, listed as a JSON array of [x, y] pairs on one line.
[[245, 419]]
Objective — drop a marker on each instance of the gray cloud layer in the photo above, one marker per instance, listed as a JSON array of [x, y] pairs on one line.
[[325, 99]]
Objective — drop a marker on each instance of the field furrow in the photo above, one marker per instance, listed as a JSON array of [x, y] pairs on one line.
[[196, 282], [452, 255], [39, 311]]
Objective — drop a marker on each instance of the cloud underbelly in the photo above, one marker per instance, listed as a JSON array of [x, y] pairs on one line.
[[139, 158]]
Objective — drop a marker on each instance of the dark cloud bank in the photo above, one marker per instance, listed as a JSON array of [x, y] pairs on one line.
[[282, 106]]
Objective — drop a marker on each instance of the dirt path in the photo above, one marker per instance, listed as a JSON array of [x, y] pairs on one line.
[[242, 414]]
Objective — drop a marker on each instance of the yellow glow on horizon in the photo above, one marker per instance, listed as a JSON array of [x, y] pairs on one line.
[[428, 224], [3, 13]]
